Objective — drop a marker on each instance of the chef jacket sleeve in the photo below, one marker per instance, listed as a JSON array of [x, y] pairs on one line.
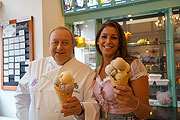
[[89, 102], [22, 97]]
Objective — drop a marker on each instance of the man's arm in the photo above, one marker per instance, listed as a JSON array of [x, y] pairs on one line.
[[22, 99], [90, 105]]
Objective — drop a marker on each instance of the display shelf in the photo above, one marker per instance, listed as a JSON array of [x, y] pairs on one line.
[[87, 47], [90, 53], [156, 72], [163, 42], [160, 105], [147, 43], [158, 85], [154, 102]]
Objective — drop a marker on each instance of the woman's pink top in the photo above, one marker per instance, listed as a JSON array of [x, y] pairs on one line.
[[103, 90]]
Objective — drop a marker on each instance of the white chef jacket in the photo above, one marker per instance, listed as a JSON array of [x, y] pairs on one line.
[[36, 98]]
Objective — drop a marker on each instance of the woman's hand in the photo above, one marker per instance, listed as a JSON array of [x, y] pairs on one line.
[[72, 107], [125, 96]]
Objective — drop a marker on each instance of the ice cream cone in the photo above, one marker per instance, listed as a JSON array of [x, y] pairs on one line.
[[64, 86], [120, 82], [122, 71], [63, 96]]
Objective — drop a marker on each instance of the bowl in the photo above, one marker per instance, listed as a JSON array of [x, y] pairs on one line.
[[162, 82], [155, 76], [151, 82]]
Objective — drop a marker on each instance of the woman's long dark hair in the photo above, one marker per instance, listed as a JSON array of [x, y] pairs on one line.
[[122, 48]]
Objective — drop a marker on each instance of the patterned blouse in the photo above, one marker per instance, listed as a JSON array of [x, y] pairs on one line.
[[103, 90]]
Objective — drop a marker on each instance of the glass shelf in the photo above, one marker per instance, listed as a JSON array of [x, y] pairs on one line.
[[158, 85], [160, 105], [151, 43], [154, 102], [146, 43], [87, 47]]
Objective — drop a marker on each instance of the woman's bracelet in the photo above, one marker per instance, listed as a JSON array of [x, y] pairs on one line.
[[133, 109]]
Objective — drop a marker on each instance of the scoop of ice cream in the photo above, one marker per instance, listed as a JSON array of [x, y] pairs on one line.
[[120, 64], [67, 87], [66, 77], [127, 67], [122, 68], [120, 75], [110, 70], [66, 82]]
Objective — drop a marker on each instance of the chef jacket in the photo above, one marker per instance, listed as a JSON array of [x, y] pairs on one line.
[[36, 98]]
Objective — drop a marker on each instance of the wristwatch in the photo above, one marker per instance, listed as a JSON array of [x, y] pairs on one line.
[[82, 111]]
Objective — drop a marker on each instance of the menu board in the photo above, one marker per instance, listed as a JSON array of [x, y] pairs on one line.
[[105, 3], [92, 4], [16, 46], [76, 6], [68, 6], [80, 5], [120, 1]]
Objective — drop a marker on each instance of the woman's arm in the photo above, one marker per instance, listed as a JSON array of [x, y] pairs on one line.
[[140, 89], [135, 97]]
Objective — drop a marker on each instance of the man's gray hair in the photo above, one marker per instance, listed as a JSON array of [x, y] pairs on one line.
[[65, 28]]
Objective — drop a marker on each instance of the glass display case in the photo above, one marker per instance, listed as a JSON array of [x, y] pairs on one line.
[[151, 42], [86, 55], [148, 44], [85, 50], [176, 20]]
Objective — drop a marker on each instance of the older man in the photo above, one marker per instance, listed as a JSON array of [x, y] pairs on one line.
[[36, 98]]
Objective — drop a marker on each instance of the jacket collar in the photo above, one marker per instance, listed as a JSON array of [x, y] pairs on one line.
[[53, 74]]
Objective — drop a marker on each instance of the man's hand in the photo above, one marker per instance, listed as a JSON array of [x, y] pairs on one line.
[[72, 107]]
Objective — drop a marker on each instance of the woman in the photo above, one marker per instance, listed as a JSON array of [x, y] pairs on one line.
[[120, 102]]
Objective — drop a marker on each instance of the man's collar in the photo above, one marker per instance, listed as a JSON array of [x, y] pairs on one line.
[[67, 63]]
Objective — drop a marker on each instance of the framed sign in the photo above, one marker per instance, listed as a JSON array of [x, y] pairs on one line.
[[16, 51]]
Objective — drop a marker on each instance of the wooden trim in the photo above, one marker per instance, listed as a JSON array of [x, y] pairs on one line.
[[31, 40], [9, 88], [12, 21], [2, 77]]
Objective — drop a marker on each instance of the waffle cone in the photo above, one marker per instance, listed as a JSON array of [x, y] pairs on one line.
[[63, 96], [120, 82]]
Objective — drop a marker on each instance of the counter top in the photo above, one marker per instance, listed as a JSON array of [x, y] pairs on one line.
[[164, 113]]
